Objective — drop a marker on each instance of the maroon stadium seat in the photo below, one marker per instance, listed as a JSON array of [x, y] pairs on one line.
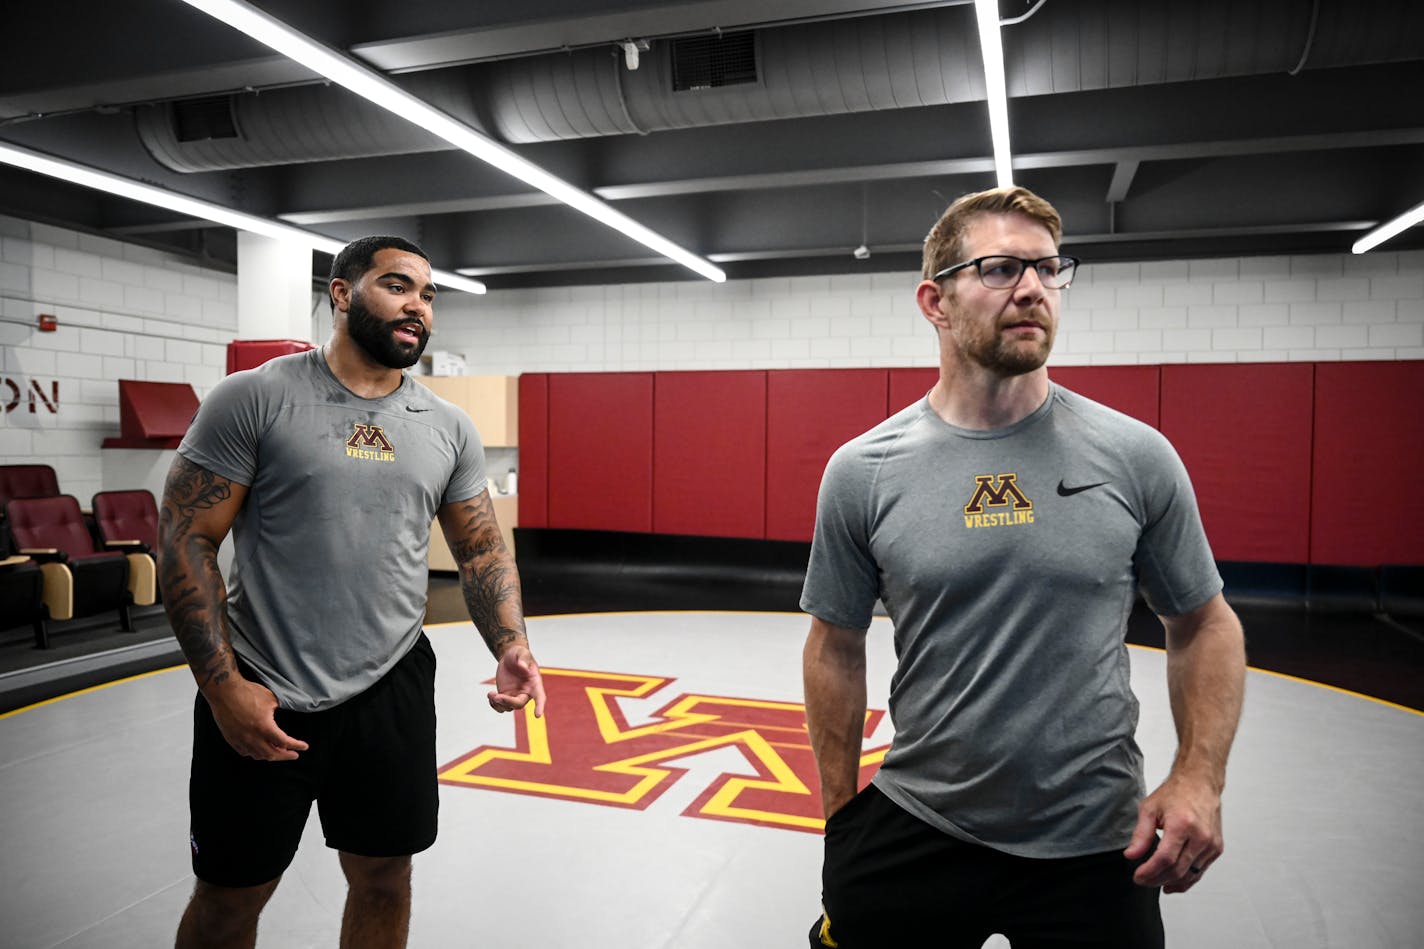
[[127, 515], [80, 579]]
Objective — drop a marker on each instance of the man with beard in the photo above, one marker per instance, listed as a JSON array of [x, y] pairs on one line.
[[1006, 524], [315, 678]]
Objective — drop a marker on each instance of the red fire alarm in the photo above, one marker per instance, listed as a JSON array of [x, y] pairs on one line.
[[48, 323]]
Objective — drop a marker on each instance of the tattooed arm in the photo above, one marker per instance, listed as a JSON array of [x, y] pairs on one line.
[[490, 582], [197, 513]]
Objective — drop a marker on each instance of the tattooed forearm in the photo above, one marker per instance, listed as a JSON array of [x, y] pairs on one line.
[[194, 594], [488, 576], [492, 588]]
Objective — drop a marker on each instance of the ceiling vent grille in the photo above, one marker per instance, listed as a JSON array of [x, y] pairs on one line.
[[201, 120], [710, 62]]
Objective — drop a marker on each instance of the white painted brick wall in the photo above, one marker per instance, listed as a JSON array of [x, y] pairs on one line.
[[1299, 308], [1188, 294], [125, 312], [1397, 335], [1240, 292]]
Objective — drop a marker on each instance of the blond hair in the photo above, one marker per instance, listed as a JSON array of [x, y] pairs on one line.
[[944, 245]]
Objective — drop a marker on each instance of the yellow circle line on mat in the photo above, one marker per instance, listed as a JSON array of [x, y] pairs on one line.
[[144, 675], [92, 688]]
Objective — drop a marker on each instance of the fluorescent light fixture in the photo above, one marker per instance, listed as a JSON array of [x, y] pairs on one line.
[[1389, 229], [148, 194], [374, 87], [997, 98], [193, 207]]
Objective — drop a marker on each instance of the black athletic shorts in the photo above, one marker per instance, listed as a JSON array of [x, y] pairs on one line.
[[891, 879], [370, 766]]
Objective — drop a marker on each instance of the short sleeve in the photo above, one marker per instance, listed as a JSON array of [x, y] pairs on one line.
[[842, 577], [227, 428], [1175, 568], [470, 476]]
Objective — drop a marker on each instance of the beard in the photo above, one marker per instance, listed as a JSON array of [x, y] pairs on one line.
[[1005, 355], [377, 337]]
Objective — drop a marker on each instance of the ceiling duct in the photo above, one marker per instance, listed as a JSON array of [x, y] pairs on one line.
[[931, 57], [298, 124], [901, 60], [830, 68]]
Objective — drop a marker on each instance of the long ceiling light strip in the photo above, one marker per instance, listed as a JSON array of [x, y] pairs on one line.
[[1385, 231], [374, 87], [193, 207], [992, 47]]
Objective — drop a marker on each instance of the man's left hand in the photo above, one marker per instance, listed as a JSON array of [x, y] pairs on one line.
[[516, 681], [1188, 812]]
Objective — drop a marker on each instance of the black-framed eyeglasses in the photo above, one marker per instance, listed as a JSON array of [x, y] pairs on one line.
[[1002, 272]]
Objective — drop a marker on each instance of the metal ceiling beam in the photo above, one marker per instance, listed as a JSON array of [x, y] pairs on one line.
[[1123, 173], [1380, 138], [218, 79], [796, 179], [788, 253], [1197, 233], [1125, 160], [529, 199], [566, 265], [1119, 157], [463, 46]]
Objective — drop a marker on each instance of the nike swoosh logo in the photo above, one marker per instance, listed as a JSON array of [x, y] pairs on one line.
[[409, 409], [1066, 492]]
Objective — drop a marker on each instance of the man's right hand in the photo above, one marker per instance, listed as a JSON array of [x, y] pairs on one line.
[[244, 711]]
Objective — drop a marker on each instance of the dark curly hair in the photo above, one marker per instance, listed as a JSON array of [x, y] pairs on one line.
[[355, 258]]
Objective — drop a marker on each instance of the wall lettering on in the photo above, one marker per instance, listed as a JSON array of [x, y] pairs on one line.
[[17, 394]]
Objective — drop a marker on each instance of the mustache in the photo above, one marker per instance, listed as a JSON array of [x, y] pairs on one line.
[[391, 325], [1038, 314]]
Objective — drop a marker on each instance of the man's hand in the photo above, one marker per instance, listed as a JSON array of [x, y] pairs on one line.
[[1188, 812], [244, 711], [1206, 680], [516, 681]]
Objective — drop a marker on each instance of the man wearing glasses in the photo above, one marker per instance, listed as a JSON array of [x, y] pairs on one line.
[[1007, 524]]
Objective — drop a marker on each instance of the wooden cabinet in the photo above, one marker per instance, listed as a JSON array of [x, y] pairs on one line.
[[492, 401]]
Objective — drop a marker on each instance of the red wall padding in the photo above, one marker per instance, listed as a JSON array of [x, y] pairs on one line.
[[1132, 390], [909, 385], [1291, 462], [534, 450], [601, 451], [709, 453], [809, 414], [1369, 452], [1244, 433]]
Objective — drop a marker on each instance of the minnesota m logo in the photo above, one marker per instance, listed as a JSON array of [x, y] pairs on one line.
[[370, 443], [1000, 492], [587, 749], [1006, 491], [371, 436]]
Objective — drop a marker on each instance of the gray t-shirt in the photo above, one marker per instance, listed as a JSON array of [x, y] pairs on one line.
[[329, 576], [1008, 561]]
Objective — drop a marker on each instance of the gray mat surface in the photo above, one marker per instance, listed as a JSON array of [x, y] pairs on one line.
[[1324, 846]]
